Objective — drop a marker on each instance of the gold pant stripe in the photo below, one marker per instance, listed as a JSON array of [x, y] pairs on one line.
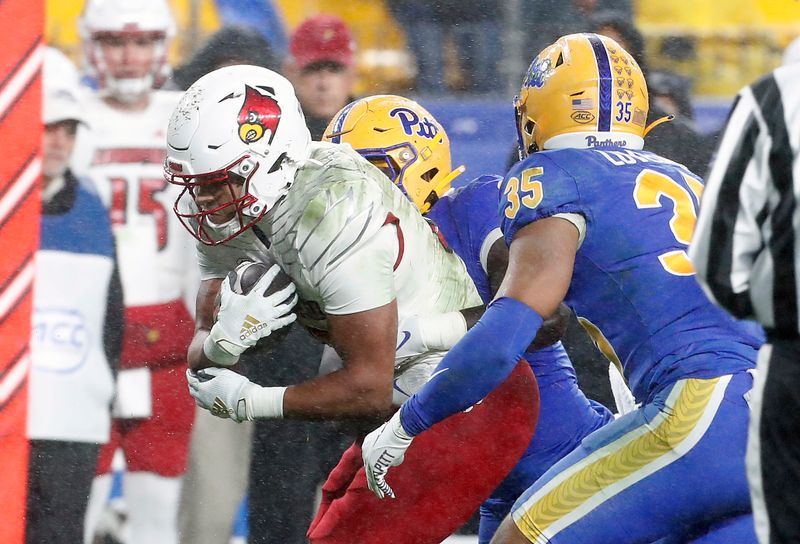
[[594, 477]]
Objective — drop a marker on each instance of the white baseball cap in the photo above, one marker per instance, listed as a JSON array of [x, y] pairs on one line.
[[62, 91]]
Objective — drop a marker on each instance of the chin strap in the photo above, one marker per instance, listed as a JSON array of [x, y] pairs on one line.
[[452, 175], [446, 181], [657, 122]]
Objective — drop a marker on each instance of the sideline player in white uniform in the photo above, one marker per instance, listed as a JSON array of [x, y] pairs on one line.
[[125, 46], [360, 254]]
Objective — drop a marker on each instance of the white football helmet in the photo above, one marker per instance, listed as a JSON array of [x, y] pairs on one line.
[[103, 18], [242, 126]]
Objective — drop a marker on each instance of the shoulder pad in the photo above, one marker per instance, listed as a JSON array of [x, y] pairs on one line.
[[346, 210], [534, 188], [336, 156]]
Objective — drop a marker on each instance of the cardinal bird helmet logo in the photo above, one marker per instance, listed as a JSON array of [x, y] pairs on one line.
[[259, 116]]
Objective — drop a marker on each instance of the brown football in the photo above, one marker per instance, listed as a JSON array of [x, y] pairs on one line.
[[247, 274], [243, 279]]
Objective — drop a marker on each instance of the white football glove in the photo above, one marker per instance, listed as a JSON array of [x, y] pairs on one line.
[[383, 448], [243, 320], [419, 334], [227, 394]]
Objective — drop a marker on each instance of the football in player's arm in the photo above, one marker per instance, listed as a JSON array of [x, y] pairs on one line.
[[221, 335]]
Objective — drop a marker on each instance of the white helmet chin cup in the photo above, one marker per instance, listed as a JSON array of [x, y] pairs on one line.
[[242, 120], [101, 17]]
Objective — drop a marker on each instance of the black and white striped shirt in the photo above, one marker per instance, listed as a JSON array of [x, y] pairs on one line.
[[745, 246]]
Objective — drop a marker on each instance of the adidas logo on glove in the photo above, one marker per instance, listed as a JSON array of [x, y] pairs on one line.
[[250, 325]]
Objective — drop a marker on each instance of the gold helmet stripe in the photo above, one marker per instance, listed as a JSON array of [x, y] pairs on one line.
[[605, 82]]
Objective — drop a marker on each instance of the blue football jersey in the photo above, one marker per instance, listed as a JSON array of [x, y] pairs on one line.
[[466, 218], [633, 286]]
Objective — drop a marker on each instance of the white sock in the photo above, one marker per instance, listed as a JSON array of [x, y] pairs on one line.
[[98, 499], [152, 507]]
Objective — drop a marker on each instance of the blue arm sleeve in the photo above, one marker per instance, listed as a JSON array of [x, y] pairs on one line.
[[477, 364]]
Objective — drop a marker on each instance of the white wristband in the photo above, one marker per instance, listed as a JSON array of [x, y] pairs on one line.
[[442, 331], [265, 402], [218, 355]]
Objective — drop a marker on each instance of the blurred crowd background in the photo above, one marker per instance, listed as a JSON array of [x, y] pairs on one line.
[[463, 60], [467, 57], [719, 46]]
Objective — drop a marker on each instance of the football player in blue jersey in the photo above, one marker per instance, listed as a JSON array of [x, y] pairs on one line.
[[405, 141], [593, 220]]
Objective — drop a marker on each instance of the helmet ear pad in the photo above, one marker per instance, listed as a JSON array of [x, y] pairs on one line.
[[530, 129], [526, 130]]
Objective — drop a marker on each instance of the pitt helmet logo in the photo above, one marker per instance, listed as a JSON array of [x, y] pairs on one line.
[[539, 71], [410, 120], [259, 116]]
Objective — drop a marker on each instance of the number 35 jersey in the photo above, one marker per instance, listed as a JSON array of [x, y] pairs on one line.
[[123, 154], [633, 286]]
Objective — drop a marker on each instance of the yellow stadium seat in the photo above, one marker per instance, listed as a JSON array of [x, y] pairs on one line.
[[734, 42]]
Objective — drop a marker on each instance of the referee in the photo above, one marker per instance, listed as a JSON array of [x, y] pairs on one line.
[[746, 254]]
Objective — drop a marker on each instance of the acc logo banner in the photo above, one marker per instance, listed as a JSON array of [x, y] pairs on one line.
[[409, 119], [60, 340], [259, 116]]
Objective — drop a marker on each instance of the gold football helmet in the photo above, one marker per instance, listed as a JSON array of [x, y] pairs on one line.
[[401, 138], [582, 91]]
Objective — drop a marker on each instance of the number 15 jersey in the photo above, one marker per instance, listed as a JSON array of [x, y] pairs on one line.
[[633, 286], [124, 155]]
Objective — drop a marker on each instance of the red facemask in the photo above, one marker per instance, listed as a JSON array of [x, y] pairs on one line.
[[224, 185]]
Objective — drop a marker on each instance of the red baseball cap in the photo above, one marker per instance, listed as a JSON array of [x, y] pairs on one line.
[[322, 38]]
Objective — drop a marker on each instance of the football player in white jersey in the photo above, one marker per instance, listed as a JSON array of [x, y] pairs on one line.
[[125, 48], [362, 259]]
